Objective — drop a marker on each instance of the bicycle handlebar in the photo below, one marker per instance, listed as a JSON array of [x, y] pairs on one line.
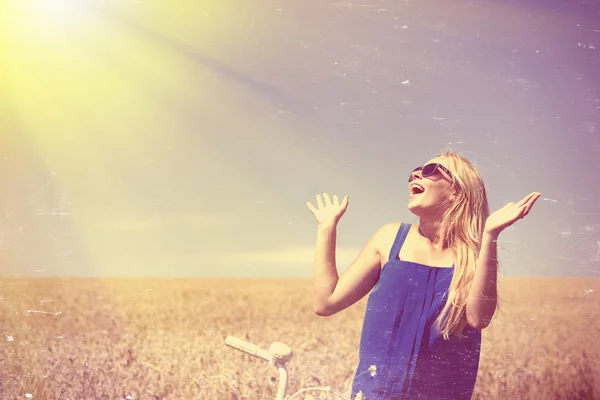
[[278, 355], [248, 348]]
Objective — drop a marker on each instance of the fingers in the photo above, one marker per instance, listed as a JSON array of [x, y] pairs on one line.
[[327, 199], [533, 199], [345, 202], [336, 200], [311, 207], [530, 204], [527, 198], [319, 201], [526, 204]]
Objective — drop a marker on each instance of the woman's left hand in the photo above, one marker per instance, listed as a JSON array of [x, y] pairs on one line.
[[509, 214]]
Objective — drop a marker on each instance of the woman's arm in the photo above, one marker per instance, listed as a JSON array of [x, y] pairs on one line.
[[332, 293], [482, 301], [481, 304]]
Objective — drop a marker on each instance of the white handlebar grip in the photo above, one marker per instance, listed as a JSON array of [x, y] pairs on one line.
[[281, 352], [242, 345]]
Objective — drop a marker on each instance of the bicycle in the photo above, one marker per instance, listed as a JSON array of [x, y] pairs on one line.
[[277, 355]]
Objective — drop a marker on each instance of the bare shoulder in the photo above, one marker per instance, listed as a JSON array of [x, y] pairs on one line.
[[385, 238]]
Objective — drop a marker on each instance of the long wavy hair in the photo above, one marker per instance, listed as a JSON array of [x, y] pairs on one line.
[[464, 221]]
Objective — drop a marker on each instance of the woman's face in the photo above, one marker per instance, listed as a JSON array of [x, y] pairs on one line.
[[429, 196]]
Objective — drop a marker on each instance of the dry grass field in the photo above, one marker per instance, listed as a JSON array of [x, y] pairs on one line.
[[164, 339]]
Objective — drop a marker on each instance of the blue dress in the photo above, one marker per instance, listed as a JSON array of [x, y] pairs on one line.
[[399, 337]]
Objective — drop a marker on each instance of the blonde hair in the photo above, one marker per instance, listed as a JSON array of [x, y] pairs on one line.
[[464, 222]]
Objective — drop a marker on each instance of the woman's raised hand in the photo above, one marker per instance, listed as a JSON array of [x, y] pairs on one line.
[[328, 212], [510, 213]]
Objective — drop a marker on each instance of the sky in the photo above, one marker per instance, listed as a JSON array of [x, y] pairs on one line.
[[183, 139]]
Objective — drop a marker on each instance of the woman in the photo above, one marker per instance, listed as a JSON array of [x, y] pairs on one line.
[[432, 285]]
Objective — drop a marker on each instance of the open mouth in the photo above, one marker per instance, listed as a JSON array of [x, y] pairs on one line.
[[416, 189]]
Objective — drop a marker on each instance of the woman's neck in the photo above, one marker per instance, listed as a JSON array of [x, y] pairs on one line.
[[434, 232]]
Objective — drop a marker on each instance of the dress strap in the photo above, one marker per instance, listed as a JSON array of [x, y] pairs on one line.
[[399, 241]]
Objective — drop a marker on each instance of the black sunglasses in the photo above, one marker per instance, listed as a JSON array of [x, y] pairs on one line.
[[429, 170]]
